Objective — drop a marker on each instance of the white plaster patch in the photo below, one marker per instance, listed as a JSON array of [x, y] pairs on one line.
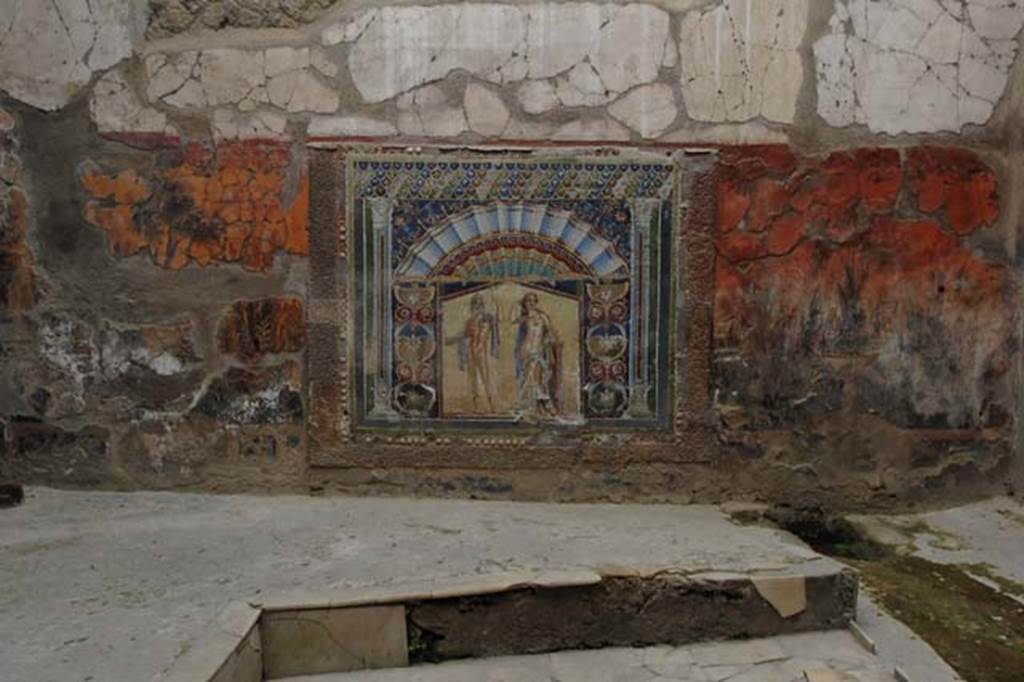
[[740, 60], [426, 112], [69, 346], [166, 365], [350, 30], [230, 76], [753, 132], [300, 90], [279, 60], [322, 62], [124, 351], [649, 109], [591, 129], [536, 97], [115, 108], [527, 130], [284, 77], [916, 65], [261, 124], [401, 48], [582, 87], [350, 126], [49, 49], [485, 110], [167, 75]]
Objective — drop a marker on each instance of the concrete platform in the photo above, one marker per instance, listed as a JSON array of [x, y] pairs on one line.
[[112, 587]]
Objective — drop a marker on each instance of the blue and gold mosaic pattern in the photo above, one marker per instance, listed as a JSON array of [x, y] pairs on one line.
[[502, 293]]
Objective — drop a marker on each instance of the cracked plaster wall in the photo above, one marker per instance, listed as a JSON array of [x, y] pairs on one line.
[[155, 248]]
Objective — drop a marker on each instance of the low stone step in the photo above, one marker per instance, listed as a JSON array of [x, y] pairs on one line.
[[622, 577], [529, 613], [830, 656]]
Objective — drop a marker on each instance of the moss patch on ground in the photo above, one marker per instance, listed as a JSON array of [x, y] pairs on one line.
[[978, 630]]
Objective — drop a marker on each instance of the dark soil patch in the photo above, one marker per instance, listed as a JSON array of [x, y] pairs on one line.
[[11, 494], [976, 629]]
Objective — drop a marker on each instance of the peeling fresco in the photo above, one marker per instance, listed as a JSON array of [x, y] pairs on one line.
[[202, 206], [252, 329], [18, 285], [848, 283]]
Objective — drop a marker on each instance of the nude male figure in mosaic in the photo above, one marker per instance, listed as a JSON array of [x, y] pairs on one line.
[[478, 344]]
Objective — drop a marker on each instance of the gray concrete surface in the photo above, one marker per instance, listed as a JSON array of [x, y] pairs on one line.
[[113, 587], [778, 659]]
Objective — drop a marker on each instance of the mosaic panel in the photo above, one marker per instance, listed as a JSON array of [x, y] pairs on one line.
[[503, 293]]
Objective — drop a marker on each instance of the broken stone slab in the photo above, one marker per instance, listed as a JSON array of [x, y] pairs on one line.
[[349, 30], [737, 653], [426, 112], [115, 108], [397, 49], [537, 96], [486, 112], [648, 109], [583, 87], [740, 60], [49, 50], [927, 68], [293, 79]]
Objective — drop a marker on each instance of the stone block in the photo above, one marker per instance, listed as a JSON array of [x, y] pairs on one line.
[[50, 50], [333, 640]]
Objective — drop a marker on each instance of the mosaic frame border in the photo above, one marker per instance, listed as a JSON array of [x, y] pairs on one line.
[[331, 440], [633, 186]]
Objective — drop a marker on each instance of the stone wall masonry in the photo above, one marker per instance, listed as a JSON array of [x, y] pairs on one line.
[[863, 163], [890, 66]]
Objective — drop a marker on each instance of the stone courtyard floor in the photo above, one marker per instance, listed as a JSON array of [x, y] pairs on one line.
[[114, 587]]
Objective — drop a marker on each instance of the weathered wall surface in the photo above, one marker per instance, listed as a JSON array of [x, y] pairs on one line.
[[863, 323]]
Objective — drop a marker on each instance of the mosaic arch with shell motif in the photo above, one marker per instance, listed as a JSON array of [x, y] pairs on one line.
[[504, 293]]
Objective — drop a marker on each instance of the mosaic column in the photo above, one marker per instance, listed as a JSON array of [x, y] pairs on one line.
[[382, 324], [639, 304]]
